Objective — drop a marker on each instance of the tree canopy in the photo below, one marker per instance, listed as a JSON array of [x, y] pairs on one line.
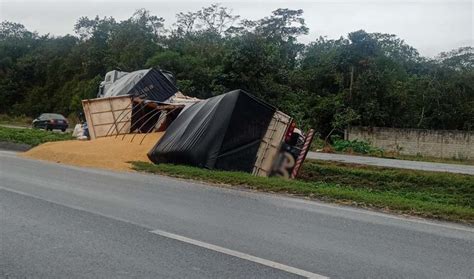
[[369, 79]]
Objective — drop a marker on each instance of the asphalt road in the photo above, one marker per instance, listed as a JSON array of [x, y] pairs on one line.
[[66, 222], [392, 163]]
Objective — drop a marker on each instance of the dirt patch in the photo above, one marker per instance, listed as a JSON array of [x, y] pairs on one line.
[[109, 153]]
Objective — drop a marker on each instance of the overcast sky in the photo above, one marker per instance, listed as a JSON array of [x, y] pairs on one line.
[[429, 26]]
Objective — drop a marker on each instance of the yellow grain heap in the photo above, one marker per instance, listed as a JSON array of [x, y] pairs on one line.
[[108, 153]]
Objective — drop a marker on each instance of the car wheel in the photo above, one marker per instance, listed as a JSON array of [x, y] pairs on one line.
[[63, 130]]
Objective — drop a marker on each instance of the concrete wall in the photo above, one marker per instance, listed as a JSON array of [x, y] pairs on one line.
[[435, 143]]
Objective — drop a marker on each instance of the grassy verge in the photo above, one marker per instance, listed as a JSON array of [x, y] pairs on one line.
[[429, 159], [409, 157], [30, 136], [363, 148], [444, 188], [22, 120], [429, 201]]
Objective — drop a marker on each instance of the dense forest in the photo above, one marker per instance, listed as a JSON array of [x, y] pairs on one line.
[[369, 79]]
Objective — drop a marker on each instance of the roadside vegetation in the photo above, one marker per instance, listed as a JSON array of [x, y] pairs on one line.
[[421, 158], [363, 148], [357, 147], [31, 137], [445, 188], [19, 120], [433, 195], [360, 78], [26, 121]]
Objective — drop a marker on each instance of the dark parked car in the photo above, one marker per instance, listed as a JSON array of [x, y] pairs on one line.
[[51, 121]]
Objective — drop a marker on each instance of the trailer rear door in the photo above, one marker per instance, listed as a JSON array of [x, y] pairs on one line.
[[271, 144]]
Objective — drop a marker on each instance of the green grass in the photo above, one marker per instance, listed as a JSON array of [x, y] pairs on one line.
[[429, 159], [363, 148], [445, 188], [448, 199], [23, 121], [419, 158], [31, 136]]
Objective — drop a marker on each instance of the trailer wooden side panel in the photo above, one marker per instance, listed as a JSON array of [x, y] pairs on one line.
[[108, 116], [271, 144]]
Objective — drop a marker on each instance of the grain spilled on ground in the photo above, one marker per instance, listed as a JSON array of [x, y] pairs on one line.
[[109, 152]]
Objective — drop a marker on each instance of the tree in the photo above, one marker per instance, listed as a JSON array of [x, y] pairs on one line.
[[133, 41], [284, 24], [12, 30], [369, 79], [185, 22], [96, 29], [149, 23], [214, 19], [341, 120], [461, 59]]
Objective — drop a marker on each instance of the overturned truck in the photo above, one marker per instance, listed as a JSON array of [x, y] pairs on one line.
[[141, 101], [234, 131]]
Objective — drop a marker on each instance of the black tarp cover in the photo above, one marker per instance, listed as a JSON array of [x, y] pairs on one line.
[[223, 132], [149, 84], [154, 86]]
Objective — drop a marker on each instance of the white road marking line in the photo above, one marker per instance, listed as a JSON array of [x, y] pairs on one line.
[[241, 255]]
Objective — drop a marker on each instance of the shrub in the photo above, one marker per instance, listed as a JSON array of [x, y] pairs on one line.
[[31, 136], [355, 146]]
